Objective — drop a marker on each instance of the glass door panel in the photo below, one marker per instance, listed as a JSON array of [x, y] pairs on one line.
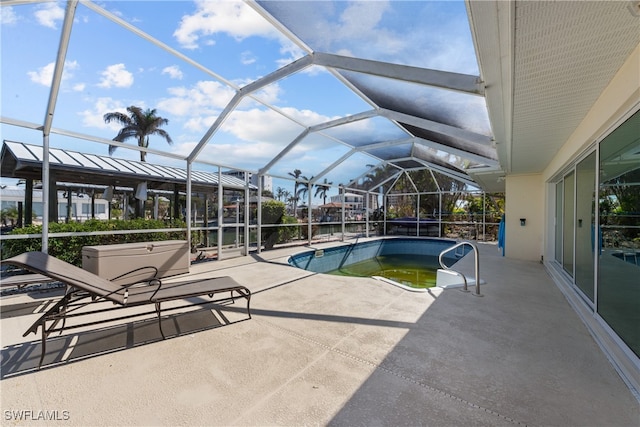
[[558, 245], [567, 224], [585, 225], [619, 201]]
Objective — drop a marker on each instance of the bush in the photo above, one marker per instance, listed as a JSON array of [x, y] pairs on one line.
[[70, 248], [273, 212]]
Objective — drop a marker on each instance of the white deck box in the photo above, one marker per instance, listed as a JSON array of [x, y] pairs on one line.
[[170, 257]]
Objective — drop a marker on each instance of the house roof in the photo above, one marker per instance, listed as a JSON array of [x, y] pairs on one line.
[[20, 160]]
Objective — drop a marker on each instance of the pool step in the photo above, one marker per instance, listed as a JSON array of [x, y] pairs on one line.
[[450, 279]]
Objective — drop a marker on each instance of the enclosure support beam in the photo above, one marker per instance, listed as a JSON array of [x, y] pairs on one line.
[[344, 195], [366, 218], [259, 214], [465, 83], [48, 120], [220, 213], [188, 202], [246, 214], [309, 212]]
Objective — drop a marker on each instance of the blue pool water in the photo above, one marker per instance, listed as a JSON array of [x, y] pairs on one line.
[[629, 256], [409, 261]]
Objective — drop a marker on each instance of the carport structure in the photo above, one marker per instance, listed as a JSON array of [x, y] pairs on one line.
[[106, 175]]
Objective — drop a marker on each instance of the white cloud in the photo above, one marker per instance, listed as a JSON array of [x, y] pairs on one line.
[[79, 87], [199, 123], [270, 93], [173, 71], [49, 13], [267, 126], [248, 138], [94, 117], [44, 75], [205, 98], [255, 154], [116, 75], [291, 52], [231, 17], [247, 57], [8, 16], [362, 15]]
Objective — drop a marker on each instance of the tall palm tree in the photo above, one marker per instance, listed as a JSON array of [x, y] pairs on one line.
[[321, 190], [296, 175], [293, 201], [286, 195], [304, 188], [138, 124]]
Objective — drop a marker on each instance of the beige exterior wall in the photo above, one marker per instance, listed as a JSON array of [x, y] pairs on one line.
[[525, 199]]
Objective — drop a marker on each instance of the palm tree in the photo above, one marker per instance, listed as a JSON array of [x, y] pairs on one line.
[[304, 187], [321, 190], [293, 201], [138, 124], [295, 174]]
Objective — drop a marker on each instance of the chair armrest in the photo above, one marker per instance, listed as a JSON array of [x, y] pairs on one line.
[[155, 282], [151, 269]]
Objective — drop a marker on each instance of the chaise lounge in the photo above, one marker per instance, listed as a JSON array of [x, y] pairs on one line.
[[86, 289]]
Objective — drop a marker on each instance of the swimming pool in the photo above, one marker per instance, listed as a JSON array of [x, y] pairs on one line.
[[407, 261]]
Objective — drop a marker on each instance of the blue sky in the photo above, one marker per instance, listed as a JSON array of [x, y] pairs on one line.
[[108, 68]]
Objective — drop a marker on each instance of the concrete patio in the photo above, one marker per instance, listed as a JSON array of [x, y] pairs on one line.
[[326, 350]]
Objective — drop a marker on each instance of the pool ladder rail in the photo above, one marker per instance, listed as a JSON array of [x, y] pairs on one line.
[[459, 252]]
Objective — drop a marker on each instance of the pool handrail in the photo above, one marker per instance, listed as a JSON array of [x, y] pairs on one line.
[[474, 248]]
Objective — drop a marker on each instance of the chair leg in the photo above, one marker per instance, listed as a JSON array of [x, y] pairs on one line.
[[248, 297], [43, 345], [158, 312]]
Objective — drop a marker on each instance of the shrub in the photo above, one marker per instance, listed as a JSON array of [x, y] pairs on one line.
[[70, 248], [273, 212]]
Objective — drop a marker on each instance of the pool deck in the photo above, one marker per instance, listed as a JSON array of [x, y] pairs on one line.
[[326, 350]]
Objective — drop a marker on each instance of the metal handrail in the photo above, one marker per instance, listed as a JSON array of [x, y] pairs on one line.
[[477, 264]]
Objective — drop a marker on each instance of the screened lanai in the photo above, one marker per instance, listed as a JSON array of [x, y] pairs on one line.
[[348, 119], [310, 101]]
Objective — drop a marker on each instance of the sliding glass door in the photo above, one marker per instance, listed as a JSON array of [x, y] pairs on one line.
[[597, 229], [585, 225], [619, 265], [567, 223], [558, 221]]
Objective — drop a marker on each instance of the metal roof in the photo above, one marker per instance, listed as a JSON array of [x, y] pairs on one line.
[[20, 160]]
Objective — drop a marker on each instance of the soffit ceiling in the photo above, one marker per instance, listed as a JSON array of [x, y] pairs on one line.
[[544, 65]]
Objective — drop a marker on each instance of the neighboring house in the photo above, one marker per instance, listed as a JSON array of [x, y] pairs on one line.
[[267, 181], [80, 204]]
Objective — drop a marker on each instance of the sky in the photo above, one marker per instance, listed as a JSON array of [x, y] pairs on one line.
[[108, 68]]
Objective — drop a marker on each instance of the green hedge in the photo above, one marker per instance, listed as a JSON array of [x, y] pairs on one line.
[[70, 248], [274, 212]]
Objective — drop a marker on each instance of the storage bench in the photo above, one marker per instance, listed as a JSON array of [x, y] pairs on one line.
[[170, 257]]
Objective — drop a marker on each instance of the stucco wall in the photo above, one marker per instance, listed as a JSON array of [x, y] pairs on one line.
[[525, 199]]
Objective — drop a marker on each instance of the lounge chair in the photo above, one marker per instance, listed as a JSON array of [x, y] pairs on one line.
[[85, 289]]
